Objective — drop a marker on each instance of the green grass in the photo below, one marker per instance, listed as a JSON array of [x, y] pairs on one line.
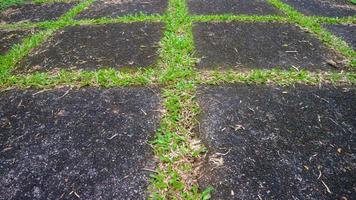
[[177, 177], [72, 22], [7, 3], [54, 1], [244, 18], [276, 77], [329, 20], [99, 78]]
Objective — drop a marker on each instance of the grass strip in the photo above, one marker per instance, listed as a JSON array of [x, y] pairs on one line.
[[71, 22], [175, 146], [331, 20], [69, 16], [54, 1], [276, 77], [123, 19], [7, 3], [99, 78], [245, 18], [26, 25], [148, 76]]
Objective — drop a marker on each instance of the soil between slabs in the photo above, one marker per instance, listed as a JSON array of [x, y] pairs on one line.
[[94, 47], [90, 143], [262, 45], [34, 12], [116, 8], [279, 143], [246, 7], [10, 37], [323, 7], [347, 32]]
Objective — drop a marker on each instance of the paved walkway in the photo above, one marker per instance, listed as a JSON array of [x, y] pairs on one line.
[[178, 99]]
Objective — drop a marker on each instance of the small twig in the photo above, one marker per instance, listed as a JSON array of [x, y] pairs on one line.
[[251, 109], [6, 149], [311, 157], [216, 167], [20, 104], [150, 170], [125, 177], [321, 98], [73, 192], [113, 136], [39, 92], [143, 112], [77, 195], [65, 93], [296, 68], [319, 175], [327, 188], [223, 154]]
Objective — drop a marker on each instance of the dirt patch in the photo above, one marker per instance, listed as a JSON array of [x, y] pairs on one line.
[[240, 45], [11, 37], [34, 12], [71, 144], [93, 47], [246, 7], [116, 8], [346, 32], [323, 8], [279, 143]]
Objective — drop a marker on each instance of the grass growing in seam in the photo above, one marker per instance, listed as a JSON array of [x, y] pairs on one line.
[[331, 20], [72, 22], [99, 78], [313, 24], [7, 3], [121, 19], [175, 146], [276, 76], [76, 10], [25, 25], [244, 18], [18, 52], [53, 1]]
